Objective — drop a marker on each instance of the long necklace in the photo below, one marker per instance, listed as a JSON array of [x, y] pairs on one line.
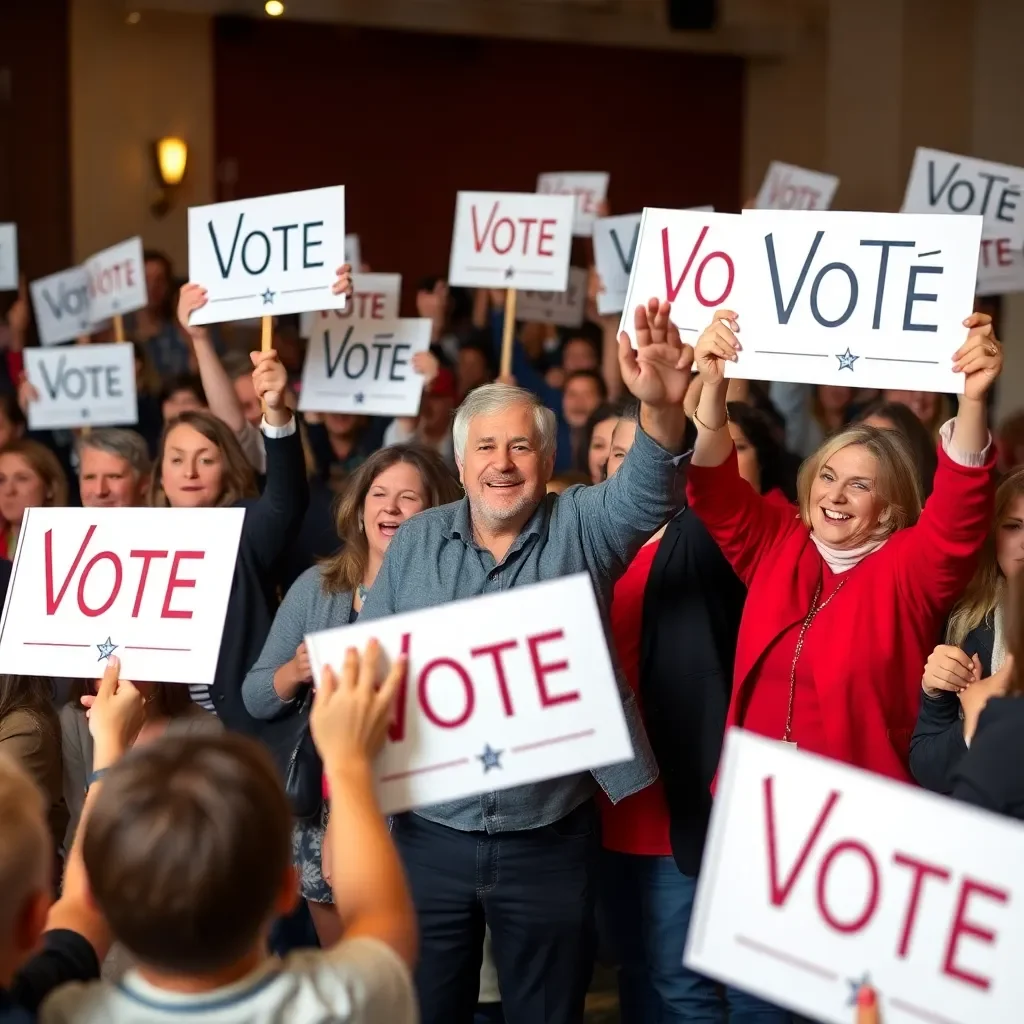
[[814, 609]]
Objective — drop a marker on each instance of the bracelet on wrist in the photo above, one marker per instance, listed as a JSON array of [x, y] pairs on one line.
[[95, 777], [713, 430]]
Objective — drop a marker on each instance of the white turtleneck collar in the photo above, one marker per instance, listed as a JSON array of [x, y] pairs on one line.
[[842, 559]]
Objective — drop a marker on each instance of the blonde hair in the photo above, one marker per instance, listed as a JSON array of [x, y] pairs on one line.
[[897, 481], [25, 855], [988, 585]]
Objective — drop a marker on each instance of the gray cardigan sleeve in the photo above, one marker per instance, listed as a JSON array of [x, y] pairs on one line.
[[294, 619]]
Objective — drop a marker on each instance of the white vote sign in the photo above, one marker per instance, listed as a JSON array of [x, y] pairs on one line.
[[501, 690], [150, 585], [8, 257], [1000, 267], [61, 305], [946, 183], [353, 253], [365, 367], [82, 385], [786, 187], [615, 242], [869, 300], [690, 258], [818, 876], [268, 256], [562, 308], [516, 240], [588, 187], [374, 297], [117, 280]]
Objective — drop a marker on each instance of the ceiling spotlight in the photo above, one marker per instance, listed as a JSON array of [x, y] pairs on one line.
[[274, 8], [134, 18]]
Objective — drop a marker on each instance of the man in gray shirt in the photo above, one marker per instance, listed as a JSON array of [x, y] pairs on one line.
[[523, 858]]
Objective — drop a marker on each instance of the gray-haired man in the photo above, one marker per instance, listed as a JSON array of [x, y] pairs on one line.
[[522, 859], [113, 468]]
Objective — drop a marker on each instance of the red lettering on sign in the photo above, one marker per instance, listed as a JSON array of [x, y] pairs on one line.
[[147, 557], [467, 685], [167, 612], [107, 556], [494, 650], [501, 233], [547, 234], [871, 904], [396, 728], [540, 670], [961, 926], [921, 871], [52, 604]]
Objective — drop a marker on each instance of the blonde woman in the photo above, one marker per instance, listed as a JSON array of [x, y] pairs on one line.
[[972, 664]]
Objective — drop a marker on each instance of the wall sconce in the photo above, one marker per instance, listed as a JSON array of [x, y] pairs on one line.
[[170, 155]]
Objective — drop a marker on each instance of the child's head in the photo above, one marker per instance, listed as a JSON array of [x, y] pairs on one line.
[[26, 865], [188, 851]]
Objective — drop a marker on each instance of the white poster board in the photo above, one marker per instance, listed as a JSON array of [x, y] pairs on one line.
[[566, 309], [786, 187], [82, 385], [374, 297], [615, 243], [365, 367], [8, 257], [818, 877], [150, 585], [946, 183], [353, 253], [590, 189], [1000, 267], [869, 300], [501, 690], [61, 306], [519, 240], [689, 257], [117, 280], [267, 256]]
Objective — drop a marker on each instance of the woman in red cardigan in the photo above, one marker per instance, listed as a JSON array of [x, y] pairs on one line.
[[846, 597]]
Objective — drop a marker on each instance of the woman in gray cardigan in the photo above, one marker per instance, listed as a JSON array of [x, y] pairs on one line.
[[392, 485]]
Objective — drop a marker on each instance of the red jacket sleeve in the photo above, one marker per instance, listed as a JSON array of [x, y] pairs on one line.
[[15, 366], [743, 523], [938, 556]]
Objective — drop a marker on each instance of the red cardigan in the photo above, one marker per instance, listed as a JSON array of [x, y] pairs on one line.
[[883, 624]]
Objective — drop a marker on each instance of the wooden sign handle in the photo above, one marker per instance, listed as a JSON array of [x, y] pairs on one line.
[[118, 327], [508, 333], [266, 342]]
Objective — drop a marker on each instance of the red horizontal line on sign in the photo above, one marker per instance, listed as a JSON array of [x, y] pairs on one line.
[[425, 769], [552, 740], [921, 1014], [787, 958], [131, 647], [46, 643]]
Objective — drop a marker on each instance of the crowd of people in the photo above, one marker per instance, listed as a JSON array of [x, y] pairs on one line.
[[826, 567]]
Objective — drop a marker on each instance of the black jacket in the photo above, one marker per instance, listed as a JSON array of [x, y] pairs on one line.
[[937, 746], [692, 607], [991, 774], [270, 523]]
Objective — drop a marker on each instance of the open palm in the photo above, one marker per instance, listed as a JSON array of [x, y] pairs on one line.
[[657, 372]]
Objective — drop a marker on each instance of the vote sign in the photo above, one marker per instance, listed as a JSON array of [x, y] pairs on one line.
[[82, 385], [589, 188], [870, 300], [689, 258], [501, 690], [150, 585], [945, 183], [117, 280], [8, 257], [786, 187], [516, 240], [374, 297], [562, 308], [365, 367], [353, 253], [818, 877], [615, 241], [1000, 267], [267, 256], [61, 305]]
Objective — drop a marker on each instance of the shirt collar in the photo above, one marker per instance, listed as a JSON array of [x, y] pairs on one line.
[[462, 525]]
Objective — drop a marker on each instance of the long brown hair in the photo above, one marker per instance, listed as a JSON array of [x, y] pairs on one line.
[[988, 585], [238, 481], [345, 570], [33, 694], [45, 465]]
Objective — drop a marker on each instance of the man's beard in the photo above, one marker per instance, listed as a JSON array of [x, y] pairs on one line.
[[482, 509]]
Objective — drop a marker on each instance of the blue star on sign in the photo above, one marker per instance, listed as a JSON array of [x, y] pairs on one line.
[[490, 758], [360, 398], [856, 984], [846, 360], [268, 298], [510, 273], [106, 649]]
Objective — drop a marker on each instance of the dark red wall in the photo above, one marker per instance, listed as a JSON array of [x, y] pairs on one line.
[[404, 121], [35, 186]]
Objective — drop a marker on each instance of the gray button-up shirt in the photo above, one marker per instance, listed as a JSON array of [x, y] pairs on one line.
[[433, 559]]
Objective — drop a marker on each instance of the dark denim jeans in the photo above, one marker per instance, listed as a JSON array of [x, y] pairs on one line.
[[535, 889], [644, 906]]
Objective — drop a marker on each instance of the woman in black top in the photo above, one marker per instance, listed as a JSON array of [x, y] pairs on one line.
[[963, 673], [200, 465]]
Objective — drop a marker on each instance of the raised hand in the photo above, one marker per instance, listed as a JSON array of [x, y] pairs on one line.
[[270, 379], [658, 371], [116, 714], [426, 365], [716, 346], [980, 357], [190, 298], [343, 283]]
